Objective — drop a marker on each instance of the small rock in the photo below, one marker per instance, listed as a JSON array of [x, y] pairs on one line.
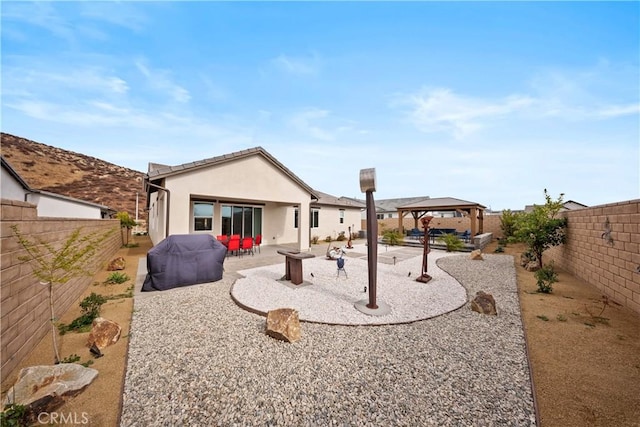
[[117, 264], [484, 303], [476, 255], [283, 324], [103, 333]]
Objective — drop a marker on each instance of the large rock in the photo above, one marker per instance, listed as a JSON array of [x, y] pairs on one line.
[[103, 333], [283, 324], [46, 388], [476, 255], [484, 303], [117, 264]]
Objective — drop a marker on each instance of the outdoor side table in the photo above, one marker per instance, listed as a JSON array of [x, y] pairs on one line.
[[293, 265]]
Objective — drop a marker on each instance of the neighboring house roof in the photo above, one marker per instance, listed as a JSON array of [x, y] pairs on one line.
[[569, 205], [440, 204], [346, 202], [166, 171], [28, 189], [15, 174]]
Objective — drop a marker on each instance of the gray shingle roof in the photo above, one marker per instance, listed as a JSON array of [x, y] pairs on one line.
[[161, 171], [347, 202], [441, 203]]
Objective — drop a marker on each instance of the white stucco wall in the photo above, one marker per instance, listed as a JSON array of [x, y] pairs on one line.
[[330, 222], [247, 181], [10, 188], [48, 206]]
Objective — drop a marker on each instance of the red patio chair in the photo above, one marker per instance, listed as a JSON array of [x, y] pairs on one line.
[[258, 241], [233, 246], [247, 245]]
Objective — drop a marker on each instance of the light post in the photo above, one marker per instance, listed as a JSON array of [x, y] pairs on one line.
[[368, 186]]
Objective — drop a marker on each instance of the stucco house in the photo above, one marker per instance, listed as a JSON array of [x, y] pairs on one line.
[[247, 192], [14, 187]]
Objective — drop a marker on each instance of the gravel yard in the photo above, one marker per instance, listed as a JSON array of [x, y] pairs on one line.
[[196, 358]]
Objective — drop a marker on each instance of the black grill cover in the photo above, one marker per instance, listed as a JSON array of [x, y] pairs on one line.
[[183, 260]]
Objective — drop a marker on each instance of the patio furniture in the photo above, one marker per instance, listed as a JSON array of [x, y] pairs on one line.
[[247, 245], [258, 241], [293, 265], [233, 246]]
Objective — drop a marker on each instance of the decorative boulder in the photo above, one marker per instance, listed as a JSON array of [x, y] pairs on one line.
[[117, 264], [103, 333], [283, 324], [476, 255], [46, 388], [484, 303]]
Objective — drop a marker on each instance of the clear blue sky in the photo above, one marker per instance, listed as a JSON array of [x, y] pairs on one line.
[[486, 102]]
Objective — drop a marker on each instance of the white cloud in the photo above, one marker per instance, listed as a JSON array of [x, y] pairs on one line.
[[440, 109], [160, 80], [306, 122], [298, 65]]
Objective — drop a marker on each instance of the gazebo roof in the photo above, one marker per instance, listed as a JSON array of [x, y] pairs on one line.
[[440, 204]]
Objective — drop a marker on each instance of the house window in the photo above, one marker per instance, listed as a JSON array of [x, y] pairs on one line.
[[315, 218], [295, 218], [379, 216], [202, 216], [390, 215], [341, 216]]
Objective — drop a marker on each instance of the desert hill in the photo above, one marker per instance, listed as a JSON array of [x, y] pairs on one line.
[[75, 175]]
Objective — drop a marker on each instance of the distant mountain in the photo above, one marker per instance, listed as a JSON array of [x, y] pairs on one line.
[[75, 175]]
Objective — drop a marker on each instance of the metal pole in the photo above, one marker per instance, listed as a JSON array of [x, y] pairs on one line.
[[372, 249]]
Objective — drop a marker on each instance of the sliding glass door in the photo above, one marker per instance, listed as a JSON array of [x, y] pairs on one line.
[[243, 220]]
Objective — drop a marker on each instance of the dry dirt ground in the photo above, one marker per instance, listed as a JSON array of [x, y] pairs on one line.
[[585, 356]]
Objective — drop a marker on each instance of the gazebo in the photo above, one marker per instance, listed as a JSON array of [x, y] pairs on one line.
[[475, 211]]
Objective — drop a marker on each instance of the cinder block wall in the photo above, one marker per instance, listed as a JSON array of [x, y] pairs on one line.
[[612, 266], [24, 303]]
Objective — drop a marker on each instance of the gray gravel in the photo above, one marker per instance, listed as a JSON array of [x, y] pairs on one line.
[[197, 359]]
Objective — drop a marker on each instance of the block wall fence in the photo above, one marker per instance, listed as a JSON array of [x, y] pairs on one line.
[[24, 303], [611, 265]]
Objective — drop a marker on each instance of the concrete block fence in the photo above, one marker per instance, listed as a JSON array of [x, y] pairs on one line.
[[24, 303], [603, 249]]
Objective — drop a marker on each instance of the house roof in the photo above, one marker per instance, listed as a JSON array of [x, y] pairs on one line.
[[569, 205], [346, 202], [27, 188], [440, 204], [157, 171], [15, 174]]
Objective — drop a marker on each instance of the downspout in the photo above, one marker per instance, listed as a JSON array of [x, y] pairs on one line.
[[168, 204]]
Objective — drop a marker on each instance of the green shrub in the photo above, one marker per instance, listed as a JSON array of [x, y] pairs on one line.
[[116, 278], [14, 415], [328, 239], [392, 237], [315, 239], [341, 237], [90, 310], [546, 277], [452, 242]]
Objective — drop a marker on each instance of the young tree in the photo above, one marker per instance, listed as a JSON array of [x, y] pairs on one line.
[[126, 224], [56, 266], [508, 223], [542, 229]]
